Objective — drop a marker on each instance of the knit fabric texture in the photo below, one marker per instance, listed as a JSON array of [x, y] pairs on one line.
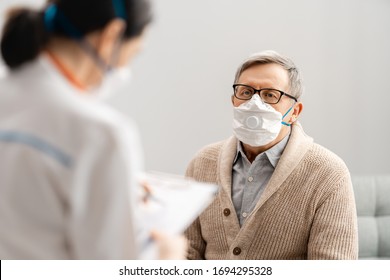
[[307, 210]]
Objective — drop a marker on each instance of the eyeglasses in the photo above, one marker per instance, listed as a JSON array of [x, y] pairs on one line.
[[268, 95]]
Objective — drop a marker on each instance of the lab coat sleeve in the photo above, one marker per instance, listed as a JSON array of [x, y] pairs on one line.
[[100, 219]]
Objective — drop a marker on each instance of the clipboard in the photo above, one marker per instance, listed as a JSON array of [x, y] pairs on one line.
[[170, 205]]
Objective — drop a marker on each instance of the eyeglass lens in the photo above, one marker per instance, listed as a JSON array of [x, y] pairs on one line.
[[270, 96]]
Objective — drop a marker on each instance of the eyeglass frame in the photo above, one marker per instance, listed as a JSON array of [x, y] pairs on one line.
[[259, 90]]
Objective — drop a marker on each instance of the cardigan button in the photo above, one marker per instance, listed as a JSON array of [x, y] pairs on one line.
[[226, 212], [236, 251]]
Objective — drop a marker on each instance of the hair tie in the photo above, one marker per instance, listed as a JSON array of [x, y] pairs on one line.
[[49, 17], [120, 9]]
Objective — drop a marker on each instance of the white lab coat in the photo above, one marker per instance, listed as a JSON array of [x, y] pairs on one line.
[[68, 166]]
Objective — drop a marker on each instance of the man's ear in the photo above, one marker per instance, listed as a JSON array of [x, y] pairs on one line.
[[297, 110], [110, 36]]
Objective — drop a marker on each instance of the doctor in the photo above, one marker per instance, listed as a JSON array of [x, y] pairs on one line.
[[68, 162]]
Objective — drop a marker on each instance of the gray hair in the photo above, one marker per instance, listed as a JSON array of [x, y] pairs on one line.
[[266, 57]]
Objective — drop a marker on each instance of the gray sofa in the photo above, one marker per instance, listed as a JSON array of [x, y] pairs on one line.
[[372, 194]]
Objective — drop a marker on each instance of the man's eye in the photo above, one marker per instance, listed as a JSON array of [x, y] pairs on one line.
[[270, 95]]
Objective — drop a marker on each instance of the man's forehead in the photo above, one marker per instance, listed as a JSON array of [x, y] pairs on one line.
[[265, 73]]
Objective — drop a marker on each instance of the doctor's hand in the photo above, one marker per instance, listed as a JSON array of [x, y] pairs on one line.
[[170, 247]]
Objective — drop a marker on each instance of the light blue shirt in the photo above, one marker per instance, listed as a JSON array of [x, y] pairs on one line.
[[249, 180]]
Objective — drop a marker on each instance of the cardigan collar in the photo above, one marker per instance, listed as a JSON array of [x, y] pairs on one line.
[[296, 148]]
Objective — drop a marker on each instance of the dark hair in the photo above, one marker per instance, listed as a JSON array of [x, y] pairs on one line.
[[25, 34]]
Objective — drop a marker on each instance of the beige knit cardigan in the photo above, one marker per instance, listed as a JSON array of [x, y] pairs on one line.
[[307, 210]]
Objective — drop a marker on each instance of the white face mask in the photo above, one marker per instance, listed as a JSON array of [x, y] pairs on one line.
[[113, 82], [256, 123]]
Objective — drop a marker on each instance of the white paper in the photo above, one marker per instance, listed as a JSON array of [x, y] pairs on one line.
[[173, 203]]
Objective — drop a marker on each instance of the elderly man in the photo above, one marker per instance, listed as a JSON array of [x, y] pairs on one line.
[[281, 196]]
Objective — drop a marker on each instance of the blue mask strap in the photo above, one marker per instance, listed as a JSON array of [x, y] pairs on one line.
[[287, 124]]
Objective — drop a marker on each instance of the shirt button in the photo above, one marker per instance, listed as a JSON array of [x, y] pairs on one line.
[[236, 251], [250, 179], [226, 212], [244, 214]]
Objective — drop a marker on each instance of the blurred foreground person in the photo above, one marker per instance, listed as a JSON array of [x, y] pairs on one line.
[[68, 162]]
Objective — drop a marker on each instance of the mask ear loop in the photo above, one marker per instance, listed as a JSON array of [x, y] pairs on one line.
[[284, 123], [116, 50], [120, 12]]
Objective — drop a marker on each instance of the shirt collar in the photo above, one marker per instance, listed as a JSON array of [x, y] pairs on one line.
[[276, 151], [273, 154]]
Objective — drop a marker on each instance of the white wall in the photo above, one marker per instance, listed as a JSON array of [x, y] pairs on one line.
[[180, 95]]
